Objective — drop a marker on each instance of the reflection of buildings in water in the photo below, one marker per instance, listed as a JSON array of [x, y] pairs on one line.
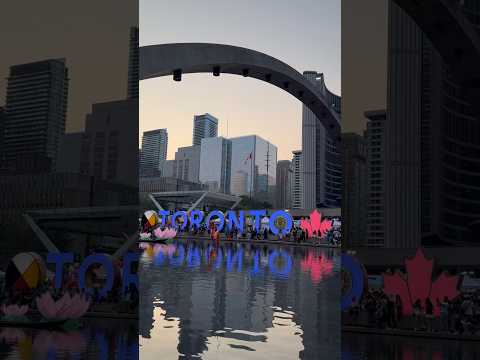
[[98, 339], [206, 302]]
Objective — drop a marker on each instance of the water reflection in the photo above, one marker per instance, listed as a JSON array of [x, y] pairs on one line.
[[380, 347], [97, 339], [239, 301]]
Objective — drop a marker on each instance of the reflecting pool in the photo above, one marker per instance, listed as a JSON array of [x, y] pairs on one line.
[[381, 347], [239, 301], [100, 339]]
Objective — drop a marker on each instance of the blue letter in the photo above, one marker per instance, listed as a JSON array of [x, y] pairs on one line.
[[257, 214], [232, 219], [178, 214], [220, 216], [97, 259], [355, 270], [163, 214], [128, 277], [274, 216], [196, 220], [59, 259]]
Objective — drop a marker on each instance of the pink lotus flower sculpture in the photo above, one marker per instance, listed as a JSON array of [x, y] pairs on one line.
[[14, 310], [165, 234], [67, 307]]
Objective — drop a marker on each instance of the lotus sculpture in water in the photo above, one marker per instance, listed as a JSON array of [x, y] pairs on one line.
[[165, 234], [66, 308], [14, 311]]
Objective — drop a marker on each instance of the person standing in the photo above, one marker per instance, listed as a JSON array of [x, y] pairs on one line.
[[429, 314]]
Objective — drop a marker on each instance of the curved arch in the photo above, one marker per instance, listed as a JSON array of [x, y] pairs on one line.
[[455, 38], [165, 59]]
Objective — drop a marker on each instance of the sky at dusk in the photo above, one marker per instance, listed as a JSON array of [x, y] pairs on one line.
[[304, 33]]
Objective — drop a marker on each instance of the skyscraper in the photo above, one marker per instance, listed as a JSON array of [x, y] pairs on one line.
[[283, 194], [35, 109], [204, 126], [425, 172], [322, 170], [133, 77], [154, 151], [256, 157], [297, 183], [215, 164], [187, 163], [2, 125], [239, 183], [376, 144], [110, 142], [354, 197]]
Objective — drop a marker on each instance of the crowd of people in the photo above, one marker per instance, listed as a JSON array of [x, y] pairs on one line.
[[458, 316]]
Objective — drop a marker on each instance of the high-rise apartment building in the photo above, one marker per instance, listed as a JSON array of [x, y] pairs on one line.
[[297, 183], [283, 193], [215, 164], [35, 110], [322, 169], [154, 152], [204, 126], [133, 66]]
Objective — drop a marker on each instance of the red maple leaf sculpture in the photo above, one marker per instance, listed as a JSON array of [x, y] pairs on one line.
[[417, 284], [315, 225]]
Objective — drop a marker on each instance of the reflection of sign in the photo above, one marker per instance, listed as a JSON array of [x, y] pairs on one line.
[[278, 262], [417, 284], [319, 267]]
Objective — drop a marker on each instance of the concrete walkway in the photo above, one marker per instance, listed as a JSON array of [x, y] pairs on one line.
[[409, 333]]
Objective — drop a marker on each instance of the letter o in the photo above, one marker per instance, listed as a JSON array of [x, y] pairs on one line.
[[275, 215], [350, 265], [220, 215]]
